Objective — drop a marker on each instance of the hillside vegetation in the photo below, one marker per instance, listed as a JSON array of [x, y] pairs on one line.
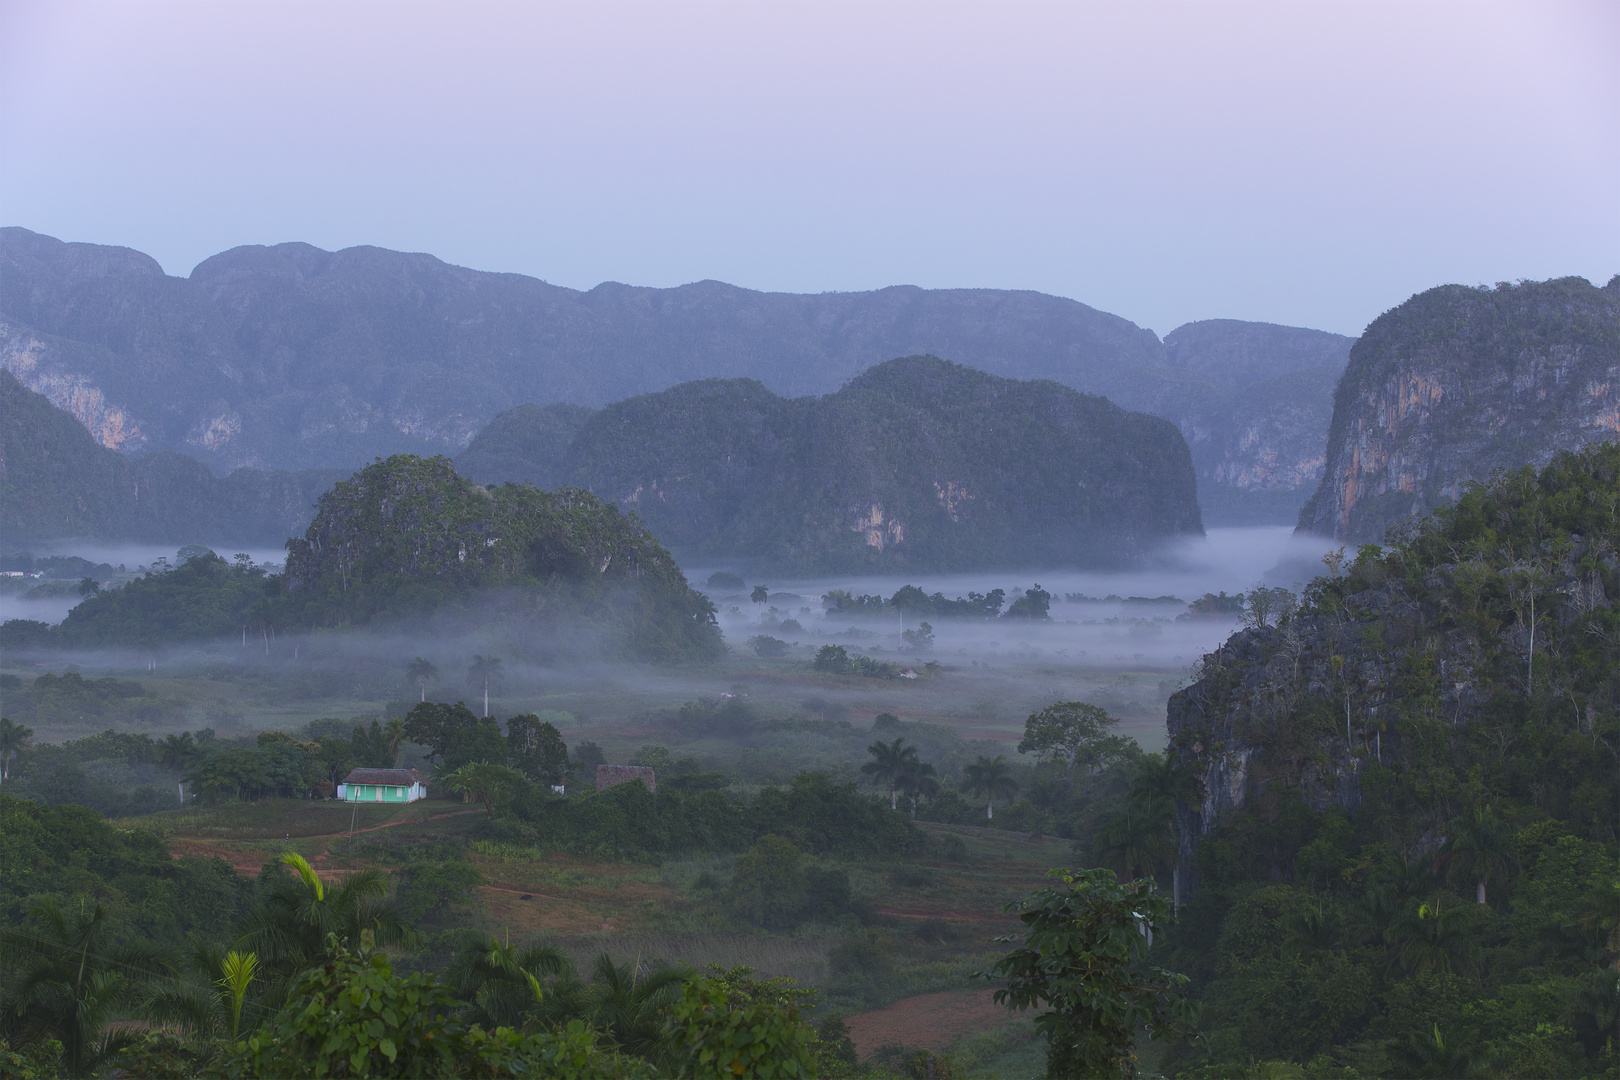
[[57, 482], [1403, 857], [917, 463]]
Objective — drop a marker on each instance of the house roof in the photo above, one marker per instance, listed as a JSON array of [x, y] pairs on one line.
[[401, 777]]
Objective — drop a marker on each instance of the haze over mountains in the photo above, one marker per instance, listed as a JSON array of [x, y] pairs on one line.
[[293, 357]]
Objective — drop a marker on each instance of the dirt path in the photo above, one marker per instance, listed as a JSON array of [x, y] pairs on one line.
[[928, 1021]]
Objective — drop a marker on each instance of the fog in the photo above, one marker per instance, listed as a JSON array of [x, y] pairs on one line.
[[979, 678]]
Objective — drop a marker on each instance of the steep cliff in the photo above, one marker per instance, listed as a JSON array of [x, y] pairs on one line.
[[916, 463], [1254, 407], [1479, 658], [1457, 383]]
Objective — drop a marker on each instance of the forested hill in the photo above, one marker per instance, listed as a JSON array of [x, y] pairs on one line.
[[56, 481], [294, 357], [917, 463], [1404, 812], [408, 543], [1457, 383]]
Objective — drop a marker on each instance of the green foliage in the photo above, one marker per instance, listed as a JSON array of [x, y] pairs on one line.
[[204, 598], [535, 748], [1079, 960], [717, 1035]]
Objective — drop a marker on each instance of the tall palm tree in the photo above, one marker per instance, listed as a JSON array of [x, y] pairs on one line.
[[422, 672], [289, 931], [628, 1003], [917, 780], [1139, 841], [70, 981], [483, 671], [992, 778], [13, 741], [889, 760], [502, 982], [1480, 851], [394, 731]]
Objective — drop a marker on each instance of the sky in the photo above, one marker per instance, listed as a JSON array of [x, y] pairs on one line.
[[1309, 164]]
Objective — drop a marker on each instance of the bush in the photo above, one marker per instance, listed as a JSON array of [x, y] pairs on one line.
[[717, 1036]]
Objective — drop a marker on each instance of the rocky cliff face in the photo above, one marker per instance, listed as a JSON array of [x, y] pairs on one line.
[[1457, 383], [1254, 410]]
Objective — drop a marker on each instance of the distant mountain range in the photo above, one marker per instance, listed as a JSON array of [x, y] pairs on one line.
[[1458, 383], [917, 463], [292, 357]]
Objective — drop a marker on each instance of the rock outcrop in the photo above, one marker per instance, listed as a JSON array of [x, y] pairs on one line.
[[1457, 383]]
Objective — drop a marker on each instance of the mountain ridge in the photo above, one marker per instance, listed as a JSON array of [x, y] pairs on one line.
[[291, 356]]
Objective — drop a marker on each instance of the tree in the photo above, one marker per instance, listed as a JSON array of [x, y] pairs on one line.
[[916, 780], [1081, 960], [536, 749], [485, 782], [69, 980], [483, 671], [421, 672], [1138, 840], [500, 981], [1075, 734], [13, 741], [1269, 606], [715, 1034], [89, 587], [394, 732], [1162, 781], [1528, 582], [767, 887], [1480, 850], [289, 931], [889, 762], [1432, 937], [438, 726], [919, 640], [759, 595], [992, 778]]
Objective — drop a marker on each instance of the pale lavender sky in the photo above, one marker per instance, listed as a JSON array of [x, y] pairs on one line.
[[1311, 164]]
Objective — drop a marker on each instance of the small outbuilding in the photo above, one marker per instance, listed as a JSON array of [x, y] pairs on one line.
[[383, 786]]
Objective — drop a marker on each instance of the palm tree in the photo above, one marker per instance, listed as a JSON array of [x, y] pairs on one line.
[[917, 780], [1434, 938], [1138, 841], [628, 1003], [422, 672], [289, 931], [13, 741], [503, 983], [89, 587], [889, 761], [213, 1009], [1480, 851], [483, 671], [70, 981], [1316, 929], [394, 731], [1432, 1056], [992, 778]]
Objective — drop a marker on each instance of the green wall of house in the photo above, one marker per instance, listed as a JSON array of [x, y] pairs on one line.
[[368, 793]]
